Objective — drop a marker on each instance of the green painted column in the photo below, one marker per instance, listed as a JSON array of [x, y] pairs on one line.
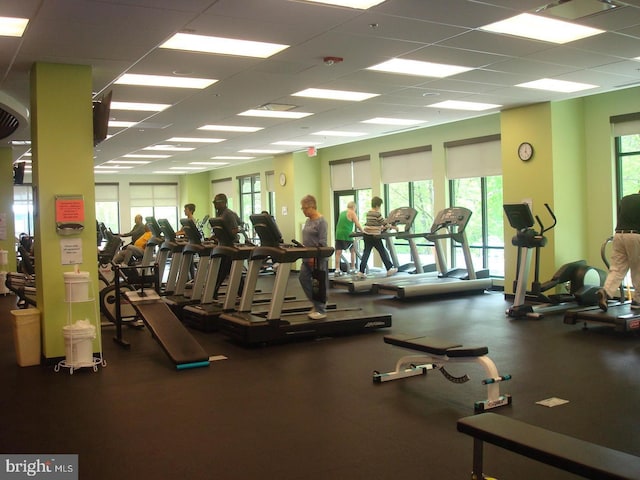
[[63, 181], [7, 224]]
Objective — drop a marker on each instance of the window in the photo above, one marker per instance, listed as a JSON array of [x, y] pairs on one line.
[[628, 164], [158, 200], [419, 195], [407, 177], [23, 209], [250, 199], [475, 182], [483, 196], [107, 205]]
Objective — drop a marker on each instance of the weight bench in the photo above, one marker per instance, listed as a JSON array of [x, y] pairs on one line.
[[435, 354], [582, 458]]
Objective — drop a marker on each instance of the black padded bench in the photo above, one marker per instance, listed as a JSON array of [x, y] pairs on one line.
[[434, 354], [582, 458]]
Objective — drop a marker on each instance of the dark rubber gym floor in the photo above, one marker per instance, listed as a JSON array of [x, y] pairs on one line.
[[309, 410]]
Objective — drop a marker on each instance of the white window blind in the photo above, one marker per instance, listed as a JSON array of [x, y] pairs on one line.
[[107, 192], [351, 174], [480, 159], [621, 129], [269, 178], [224, 186], [156, 195], [361, 174], [407, 167]]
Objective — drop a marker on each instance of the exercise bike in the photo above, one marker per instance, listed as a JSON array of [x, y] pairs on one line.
[[583, 281]]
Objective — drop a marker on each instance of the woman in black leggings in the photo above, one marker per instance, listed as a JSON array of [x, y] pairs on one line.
[[373, 227]]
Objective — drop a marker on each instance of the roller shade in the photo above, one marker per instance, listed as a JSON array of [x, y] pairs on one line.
[[469, 160], [107, 192], [407, 167], [351, 174]]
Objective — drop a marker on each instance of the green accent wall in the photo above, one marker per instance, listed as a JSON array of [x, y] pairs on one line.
[[62, 143]]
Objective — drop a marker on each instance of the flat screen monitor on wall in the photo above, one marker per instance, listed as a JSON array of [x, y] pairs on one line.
[[101, 112], [18, 173]]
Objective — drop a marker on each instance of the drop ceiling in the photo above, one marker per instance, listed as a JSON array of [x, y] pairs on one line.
[[117, 37]]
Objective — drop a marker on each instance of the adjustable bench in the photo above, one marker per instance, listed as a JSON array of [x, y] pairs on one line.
[[582, 458], [435, 354]]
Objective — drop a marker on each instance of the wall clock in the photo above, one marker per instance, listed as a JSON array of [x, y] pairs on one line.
[[283, 179], [525, 151]]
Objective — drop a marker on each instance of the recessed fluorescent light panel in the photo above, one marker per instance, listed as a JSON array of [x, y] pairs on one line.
[[472, 106], [261, 150], [139, 107], [542, 28], [422, 69], [129, 162], [195, 140], [12, 27], [359, 4], [295, 144], [119, 124], [207, 164], [336, 133], [274, 114], [231, 157], [229, 128], [393, 121], [222, 46], [115, 167], [169, 148], [164, 81], [142, 155], [335, 94], [552, 85]]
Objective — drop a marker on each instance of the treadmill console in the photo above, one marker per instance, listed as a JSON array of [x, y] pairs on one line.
[[454, 219], [167, 229], [402, 216], [190, 228], [220, 232], [266, 228], [153, 225]]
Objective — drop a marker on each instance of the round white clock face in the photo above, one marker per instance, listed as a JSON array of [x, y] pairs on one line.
[[525, 151], [283, 179]]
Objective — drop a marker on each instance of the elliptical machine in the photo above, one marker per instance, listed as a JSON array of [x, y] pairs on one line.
[[583, 280]]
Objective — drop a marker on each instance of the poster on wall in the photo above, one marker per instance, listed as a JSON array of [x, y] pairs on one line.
[[71, 251], [69, 214]]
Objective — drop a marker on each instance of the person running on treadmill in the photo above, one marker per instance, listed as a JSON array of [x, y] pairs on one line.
[[189, 210], [231, 223], [373, 227], [346, 221], [314, 234], [625, 252]]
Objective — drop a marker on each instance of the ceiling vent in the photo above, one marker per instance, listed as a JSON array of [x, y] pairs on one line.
[[575, 9], [8, 123]]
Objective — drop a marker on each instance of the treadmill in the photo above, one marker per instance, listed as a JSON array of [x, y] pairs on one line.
[[402, 218], [449, 224], [204, 315], [195, 246], [275, 326]]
